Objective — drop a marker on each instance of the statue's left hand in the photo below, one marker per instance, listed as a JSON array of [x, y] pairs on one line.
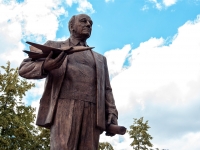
[[112, 119]]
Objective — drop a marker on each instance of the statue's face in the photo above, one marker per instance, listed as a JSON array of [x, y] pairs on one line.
[[82, 26]]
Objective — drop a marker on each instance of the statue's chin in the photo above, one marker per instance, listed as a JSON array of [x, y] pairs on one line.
[[83, 36]]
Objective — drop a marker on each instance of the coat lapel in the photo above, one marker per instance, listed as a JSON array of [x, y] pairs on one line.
[[65, 43], [57, 76]]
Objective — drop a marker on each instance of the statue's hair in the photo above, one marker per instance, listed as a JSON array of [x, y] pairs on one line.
[[71, 23]]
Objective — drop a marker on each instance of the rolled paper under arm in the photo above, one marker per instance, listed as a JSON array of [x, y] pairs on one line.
[[115, 129]]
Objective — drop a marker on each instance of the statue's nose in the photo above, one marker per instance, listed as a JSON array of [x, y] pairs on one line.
[[88, 24]]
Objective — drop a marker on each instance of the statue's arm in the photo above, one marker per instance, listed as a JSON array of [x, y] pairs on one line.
[[109, 101], [33, 69], [111, 110]]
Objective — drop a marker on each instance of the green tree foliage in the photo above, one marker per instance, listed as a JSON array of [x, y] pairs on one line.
[[105, 146], [138, 131], [17, 129], [43, 139]]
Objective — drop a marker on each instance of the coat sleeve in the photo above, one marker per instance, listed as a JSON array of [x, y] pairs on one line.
[[33, 69], [109, 99]]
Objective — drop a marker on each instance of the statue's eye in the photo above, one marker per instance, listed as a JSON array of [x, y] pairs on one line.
[[91, 22], [83, 20]]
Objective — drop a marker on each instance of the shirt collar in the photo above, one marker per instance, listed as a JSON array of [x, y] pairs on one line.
[[75, 41]]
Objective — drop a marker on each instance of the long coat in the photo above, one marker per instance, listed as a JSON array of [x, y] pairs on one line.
[[104, 98]]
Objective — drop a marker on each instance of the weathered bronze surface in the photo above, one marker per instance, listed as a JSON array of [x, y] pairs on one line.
[[77, 104]]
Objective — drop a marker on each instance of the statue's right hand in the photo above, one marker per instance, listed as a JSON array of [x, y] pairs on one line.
[[50, 63]]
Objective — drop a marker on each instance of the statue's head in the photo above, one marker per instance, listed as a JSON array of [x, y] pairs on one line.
[[80, 26]]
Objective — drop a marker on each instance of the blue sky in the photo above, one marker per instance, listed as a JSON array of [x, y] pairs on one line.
[[127, 22], [152, 49]]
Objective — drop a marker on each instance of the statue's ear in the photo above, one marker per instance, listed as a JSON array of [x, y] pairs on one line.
[[71, 27]]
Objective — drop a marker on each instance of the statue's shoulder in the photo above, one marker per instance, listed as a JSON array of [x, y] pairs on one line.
[[56, 44], [98, 54], [99, 57]]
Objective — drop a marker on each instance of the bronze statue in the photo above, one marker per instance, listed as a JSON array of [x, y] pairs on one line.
[[77, 104]]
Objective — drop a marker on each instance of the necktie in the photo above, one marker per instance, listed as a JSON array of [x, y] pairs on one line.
[[82, 44]]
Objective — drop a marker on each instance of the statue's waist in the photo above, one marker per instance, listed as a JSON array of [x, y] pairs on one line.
[[79, 90]]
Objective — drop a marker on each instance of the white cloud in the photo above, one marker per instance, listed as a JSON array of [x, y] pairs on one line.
[[34, 22], [109, 1], [116, 59], [118, 142], [10, 44], [28, 20], [62, 38], [186, 142], [154, 65], [83, 5], [163, 4], [36, 92], [70, 2], [162, 84], [157, 4], [168, 3], [38, 89], [145, 7]]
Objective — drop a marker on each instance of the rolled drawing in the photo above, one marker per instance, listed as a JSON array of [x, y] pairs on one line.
[[115, 129]]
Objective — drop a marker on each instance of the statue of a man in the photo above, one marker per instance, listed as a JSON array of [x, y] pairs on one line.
[[77, 103]]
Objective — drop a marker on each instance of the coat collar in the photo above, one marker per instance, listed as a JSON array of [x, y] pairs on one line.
[[76, 42], [71, 42]]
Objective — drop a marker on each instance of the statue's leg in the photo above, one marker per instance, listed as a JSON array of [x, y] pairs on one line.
[[74, 126], [89, 135], [63, 136]]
